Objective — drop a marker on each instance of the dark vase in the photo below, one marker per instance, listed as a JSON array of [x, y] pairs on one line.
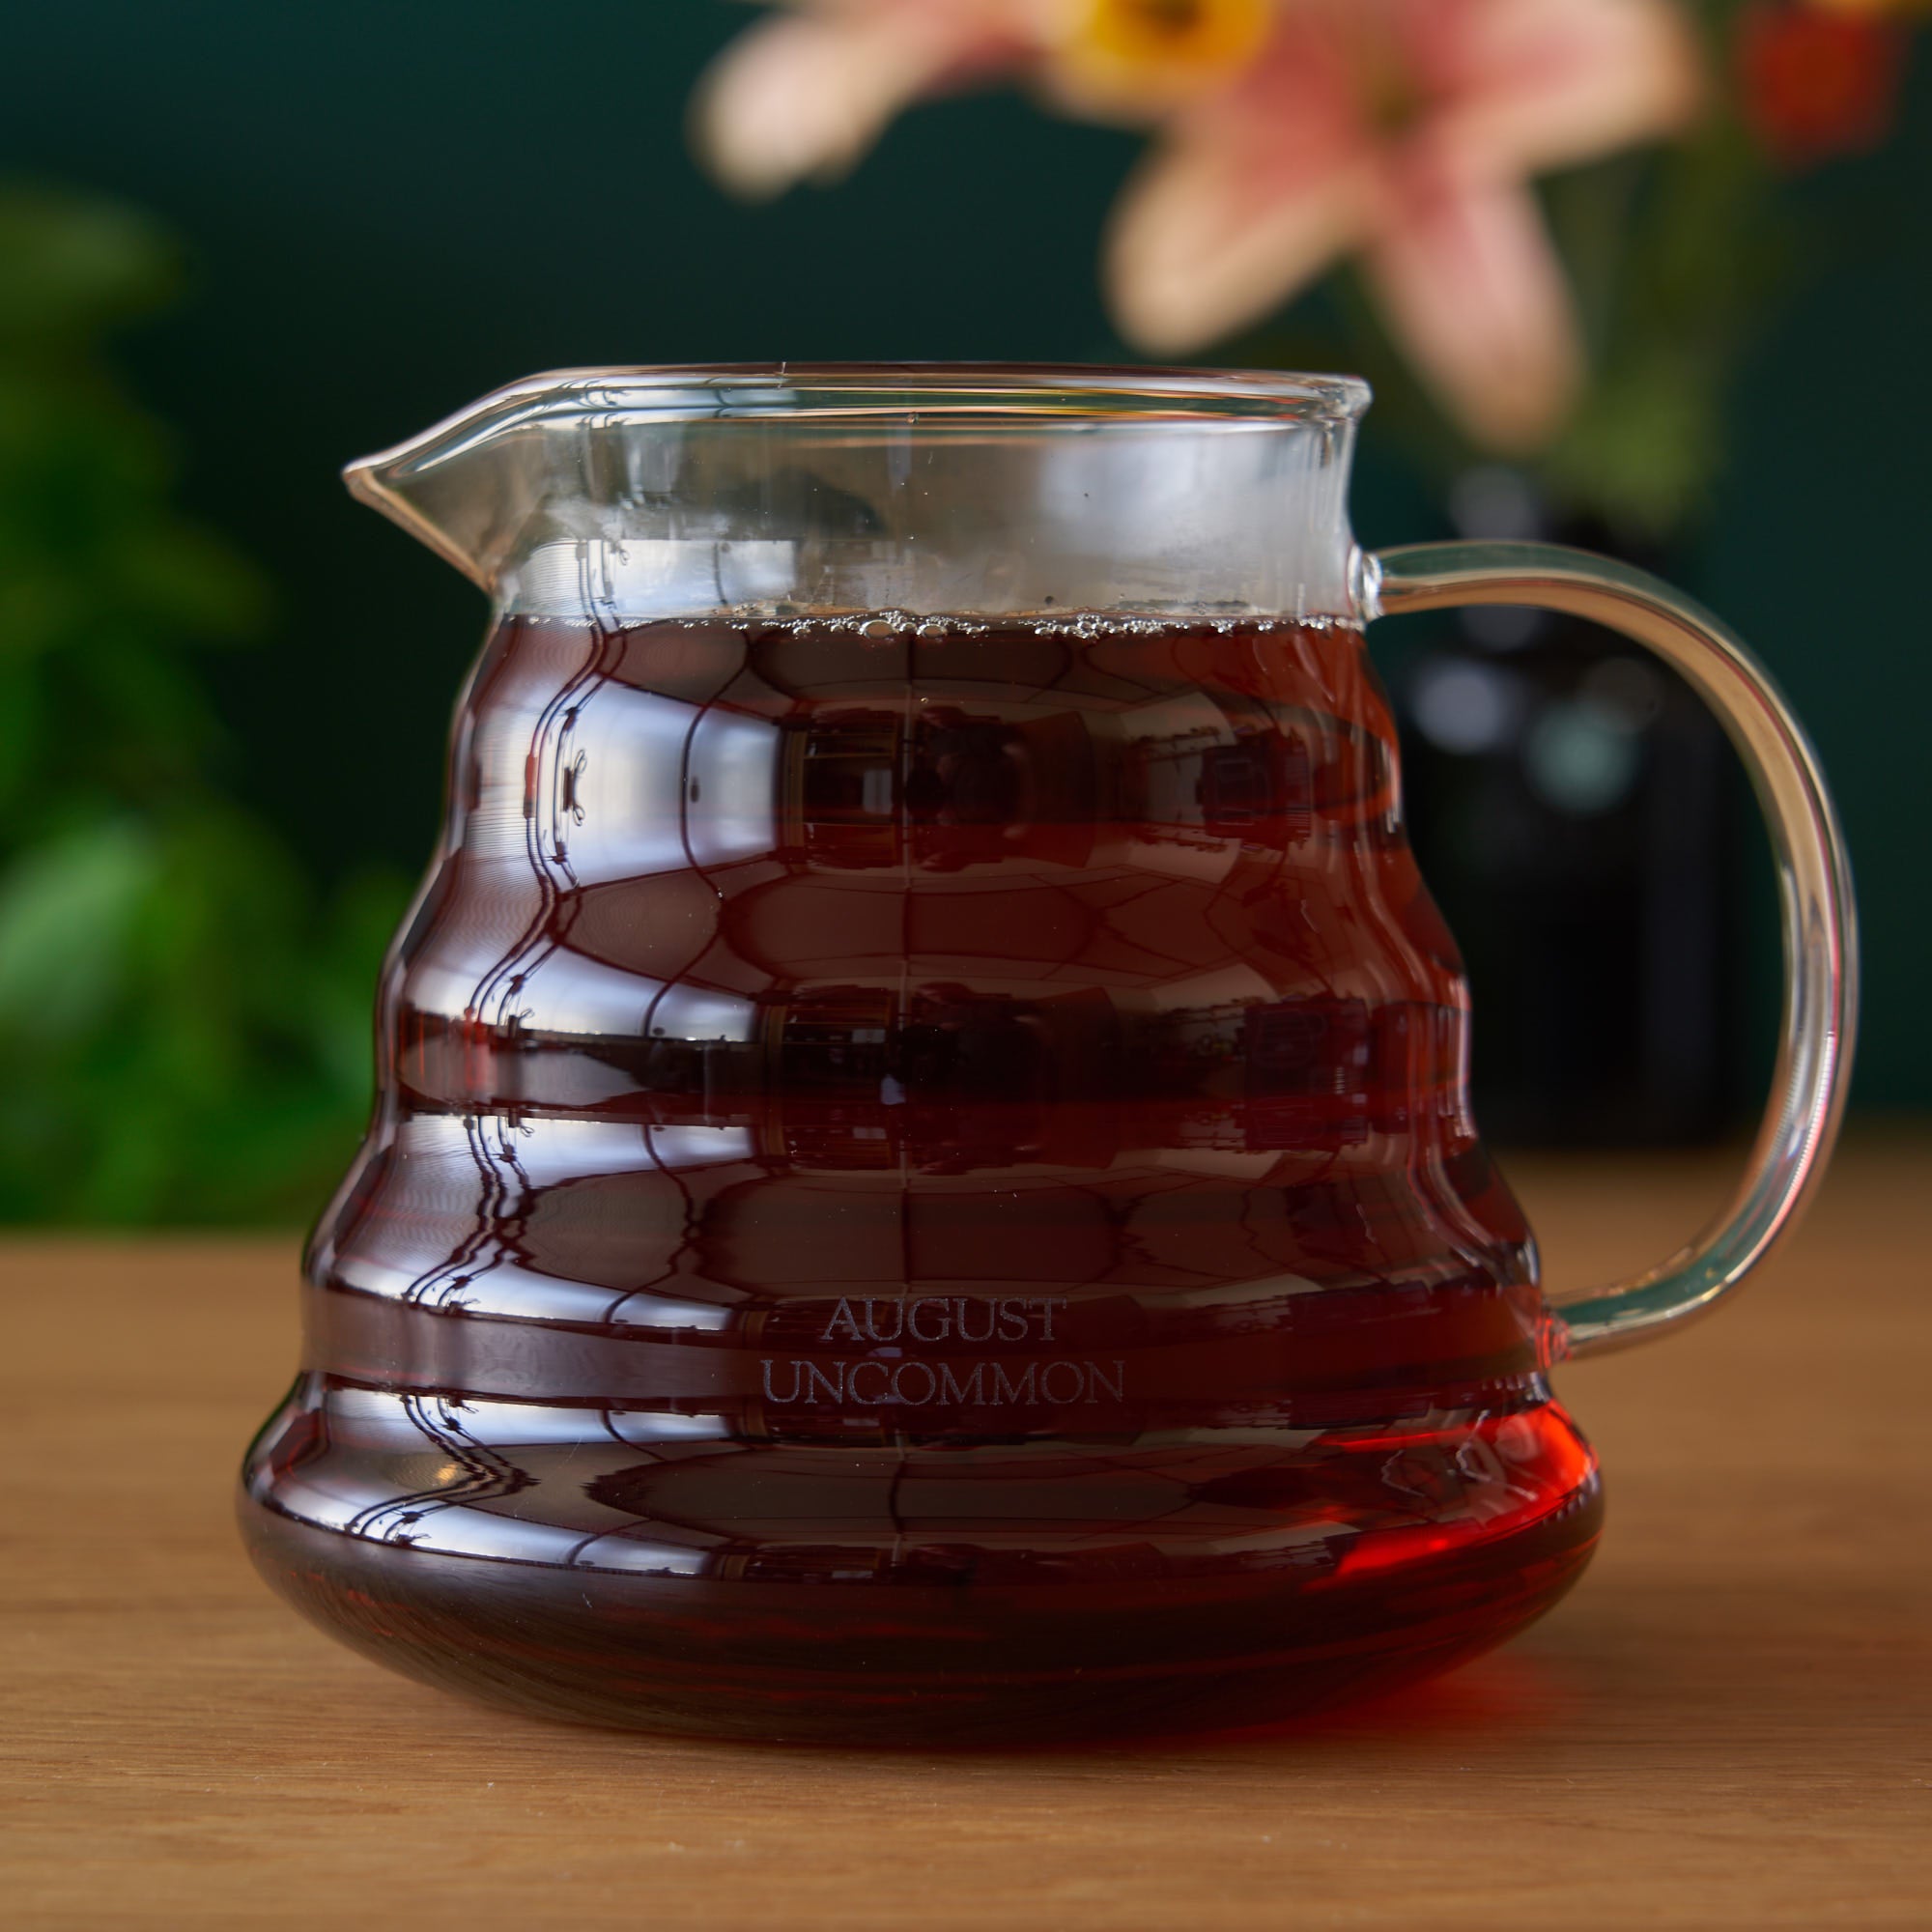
[[1571, 805]]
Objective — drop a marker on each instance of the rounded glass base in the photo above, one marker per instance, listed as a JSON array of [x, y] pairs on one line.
[[1257, 1587]]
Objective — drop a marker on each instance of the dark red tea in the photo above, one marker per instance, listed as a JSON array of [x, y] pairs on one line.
[[924, 1190]]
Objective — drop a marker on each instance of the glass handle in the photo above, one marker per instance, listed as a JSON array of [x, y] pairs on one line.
[[1814, 1055]]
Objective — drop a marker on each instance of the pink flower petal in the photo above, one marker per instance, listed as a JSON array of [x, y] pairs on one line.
[[809, 93], [1473, 293], [1249, 197], [1535, 84]]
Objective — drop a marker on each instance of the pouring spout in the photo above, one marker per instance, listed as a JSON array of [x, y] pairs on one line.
[[471, 487], [447, 528]]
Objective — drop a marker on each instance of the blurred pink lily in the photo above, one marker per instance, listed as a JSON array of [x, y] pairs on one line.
[[806, 95], [1404, 129], [1293, 132]]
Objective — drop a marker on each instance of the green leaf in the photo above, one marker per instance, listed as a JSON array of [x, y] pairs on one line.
[[76, 263], [67, 909]]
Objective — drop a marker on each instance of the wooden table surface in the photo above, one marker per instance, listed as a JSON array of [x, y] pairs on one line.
[[1726, 1726]]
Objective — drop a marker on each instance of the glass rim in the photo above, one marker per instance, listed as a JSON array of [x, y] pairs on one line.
[[796, 388], [1017, 394]]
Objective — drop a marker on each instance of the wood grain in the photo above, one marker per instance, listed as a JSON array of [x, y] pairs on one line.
[[1726, 1725]]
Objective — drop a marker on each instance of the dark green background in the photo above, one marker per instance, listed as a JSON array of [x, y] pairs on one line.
[[392, 208]]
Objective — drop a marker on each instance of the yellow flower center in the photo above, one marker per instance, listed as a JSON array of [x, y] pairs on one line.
[[1164, 47]]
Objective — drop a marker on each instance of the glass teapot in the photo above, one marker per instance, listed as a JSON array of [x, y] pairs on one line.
[[922, 1184]]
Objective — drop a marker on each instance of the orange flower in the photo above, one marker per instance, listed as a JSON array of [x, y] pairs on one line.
[[1872, 8], [1818, 82]]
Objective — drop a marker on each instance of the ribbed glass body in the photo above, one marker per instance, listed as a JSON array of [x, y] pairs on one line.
[[924, 1184]]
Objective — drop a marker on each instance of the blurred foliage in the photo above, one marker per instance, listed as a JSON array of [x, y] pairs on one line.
[[183, 1016], [1676, 257]]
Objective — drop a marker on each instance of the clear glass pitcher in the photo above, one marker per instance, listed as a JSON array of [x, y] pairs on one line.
[[923, 1183]]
